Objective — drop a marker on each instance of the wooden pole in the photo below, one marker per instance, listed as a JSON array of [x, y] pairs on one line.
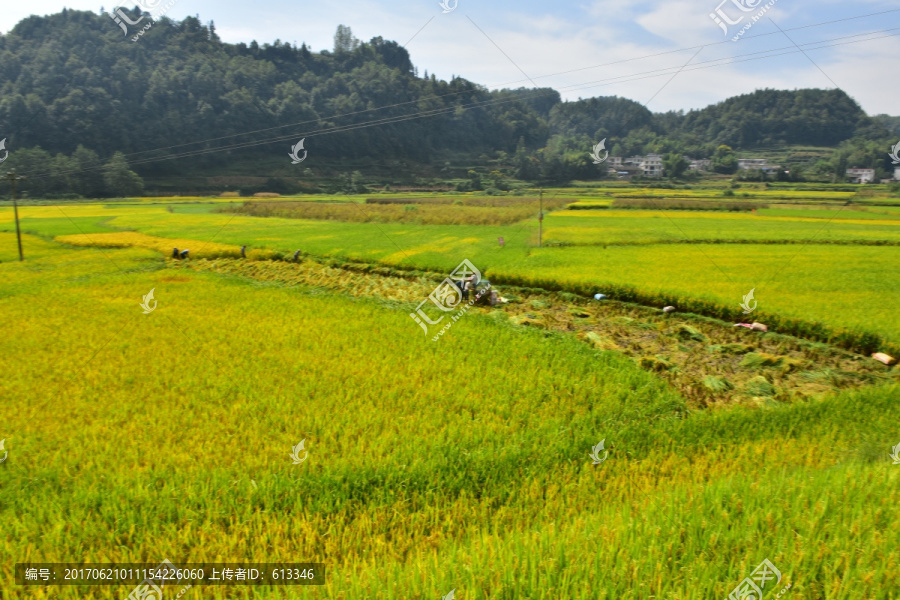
[[541, 221], [12, 183]]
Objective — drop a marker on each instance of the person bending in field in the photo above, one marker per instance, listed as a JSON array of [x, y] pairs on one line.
[[461, 284], [470, 287]]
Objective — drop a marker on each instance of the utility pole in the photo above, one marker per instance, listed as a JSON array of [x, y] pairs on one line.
[[13, 178], [541, 221]]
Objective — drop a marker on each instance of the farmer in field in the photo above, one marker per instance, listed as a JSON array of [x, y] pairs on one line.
[[461, 284], [470, 287]]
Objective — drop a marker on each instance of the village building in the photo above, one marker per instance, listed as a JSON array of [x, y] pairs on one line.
[[652, 165], [861, 175], [648, 166], [752, 163], [703, 164]]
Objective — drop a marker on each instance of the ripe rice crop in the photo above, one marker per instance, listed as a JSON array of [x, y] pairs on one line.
[[551, 202], [421, 214], [789, 284], [611, 226], [589, 205], [457, 465], [838, 287], [128, 239], [751, 189], [674, 204]]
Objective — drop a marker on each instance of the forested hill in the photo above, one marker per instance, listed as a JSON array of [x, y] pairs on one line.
[[773, 117], [74, 79]]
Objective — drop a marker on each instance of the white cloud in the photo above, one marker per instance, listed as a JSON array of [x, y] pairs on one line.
[[682, 23]]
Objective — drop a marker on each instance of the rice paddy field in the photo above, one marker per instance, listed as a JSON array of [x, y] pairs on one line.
[[464, 463], [603, 227], [834, 266]]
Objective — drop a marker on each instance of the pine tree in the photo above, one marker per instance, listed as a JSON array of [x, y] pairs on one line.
[[344, 40]]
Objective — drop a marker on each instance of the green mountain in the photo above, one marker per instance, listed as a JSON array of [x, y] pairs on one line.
[[776, 117], [176, 100]]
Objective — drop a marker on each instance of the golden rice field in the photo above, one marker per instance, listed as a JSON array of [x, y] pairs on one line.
[[751, 190], [807, 265], [423, 214], [457, 465], [128, 239], [602, 227], [461, 464]]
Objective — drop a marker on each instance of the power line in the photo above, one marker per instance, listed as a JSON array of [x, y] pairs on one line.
[[621, 61], [743, 39], [731, 60], [487, 103]]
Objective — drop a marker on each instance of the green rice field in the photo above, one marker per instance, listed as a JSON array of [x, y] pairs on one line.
[[780, 256]]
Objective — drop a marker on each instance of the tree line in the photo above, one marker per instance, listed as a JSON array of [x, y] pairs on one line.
[[81, 174]]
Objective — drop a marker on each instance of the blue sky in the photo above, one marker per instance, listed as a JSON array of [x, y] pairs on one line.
[[570, 46]]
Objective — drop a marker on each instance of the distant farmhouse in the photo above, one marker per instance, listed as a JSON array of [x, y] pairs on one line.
[[862, 175], [758, 164], [648, 166], [751, 163], [652, 166], [703, 164], [746, 164]]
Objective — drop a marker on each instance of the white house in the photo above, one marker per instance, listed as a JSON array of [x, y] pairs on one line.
[[652, 165], [861, 175], [703, 164], [751, 163], [649, 166]]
